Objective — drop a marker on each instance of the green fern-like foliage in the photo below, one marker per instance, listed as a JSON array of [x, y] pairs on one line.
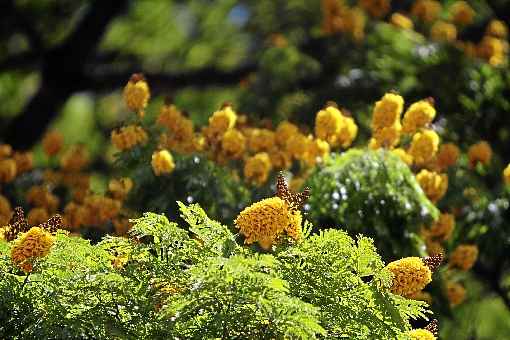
[[373, 193], [196, 281]]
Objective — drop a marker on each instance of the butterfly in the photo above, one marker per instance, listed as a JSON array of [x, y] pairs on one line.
[[294, 200]]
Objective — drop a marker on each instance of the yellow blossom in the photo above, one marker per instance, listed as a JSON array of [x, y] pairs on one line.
[[426, 10], [284, 131], [348, 132], [296, 145], [257, 168], [266, 220], [8, 170], [75, 158], [40, 196], [455, 293], [443, 31], [480, 152], [233, 143], [119, 188], [387, 137], [387, 111], [261, 140], [137, 93], [433, 247], [401, 21], [464, 256], [462, 13], [442, 229], [376, 8], [328, 123], [506, 174], [280, 159], [493, 49], [410, 275], [24, 161], [418, 115], [129, 136], [403, 155], [5, 206], [162, 162], [317, 151], [222, 120], [424, 146], [5, 151], [421, 334], [447, 156], [52, 143], [36, 243], [498, 29], [433, 184]]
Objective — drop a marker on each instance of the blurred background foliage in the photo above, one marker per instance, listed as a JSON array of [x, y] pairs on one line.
[[63, 65]]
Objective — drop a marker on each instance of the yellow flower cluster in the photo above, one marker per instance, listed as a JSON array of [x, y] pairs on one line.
[[401, 21], [386, 126], [8, 170], [339, 18], [410, 275], [463, 257], [162, 162], [424, 146], [426, 10], [119, 188], [37, 216], [5, 210], [433, 184], [418, 115], [376, 8], [335, 128], [442, 229], [233, 144], [41, 197], [36, 243], [480, 152], [257, 168], [128, 137], [52, 143], [506, 175], [180, 132], [75, 158], [455, 293], [447, 156], [421, 334], [137, 93], [266, 220], [461, 13], [219, 123], [443, 31]]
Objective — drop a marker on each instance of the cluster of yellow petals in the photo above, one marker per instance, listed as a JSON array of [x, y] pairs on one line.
[[265, 221], [497, 28], [75, 158], [376, 8], [456, 293], [120, 188], [339, 18], [443, 31], [260, 140], [94, 210], [421, 334], [480, 152], [233, 144], [463, 257], [8, 170], [461, 13], [257, 168], [335, 128], [433, 184], [219, 123], [403, 155], [179, 135], [443, 228], [424, 146], [418, 115], [401, 21], [52, 143], [506, 175], [447, 156], [136, 93], [162, 162], [410, 275], [426, 10], [36, 243], [37, 216], [5, 210], [128, 137]]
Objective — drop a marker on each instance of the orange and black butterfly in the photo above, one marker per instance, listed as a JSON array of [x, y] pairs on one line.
[[295, 201], [17, 224]]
